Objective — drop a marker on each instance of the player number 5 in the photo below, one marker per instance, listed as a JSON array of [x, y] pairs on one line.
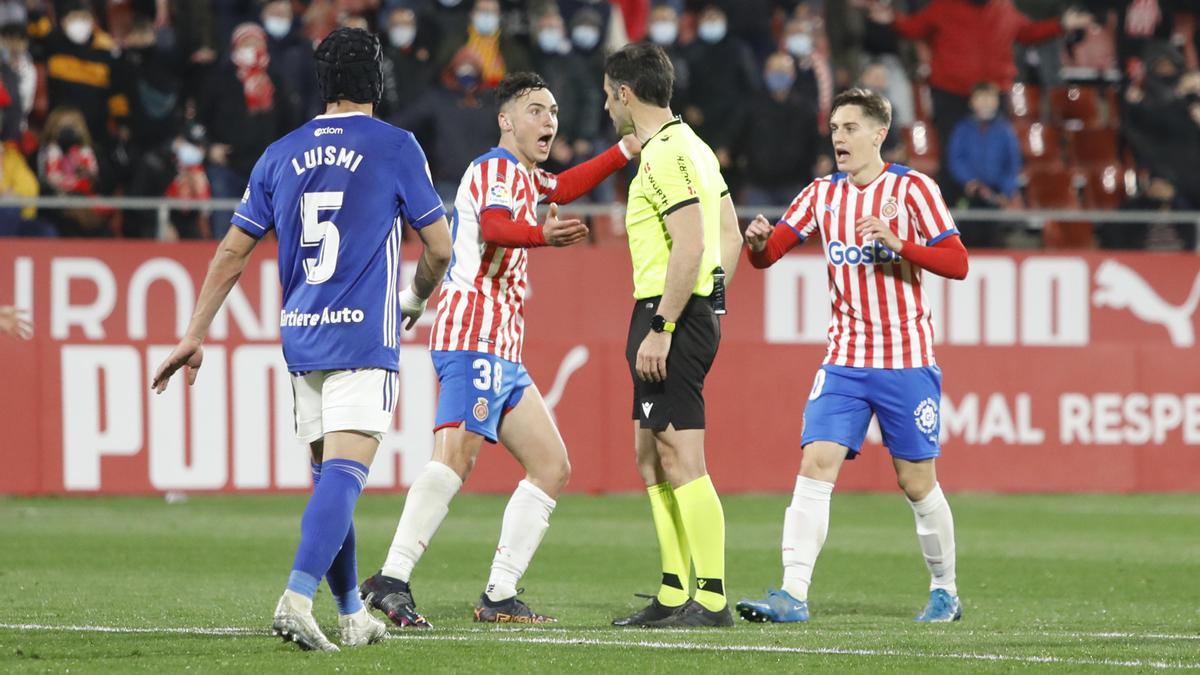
[[314, 231], [489, 377]]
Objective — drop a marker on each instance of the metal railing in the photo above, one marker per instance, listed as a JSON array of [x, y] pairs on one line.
[[1033, 218]]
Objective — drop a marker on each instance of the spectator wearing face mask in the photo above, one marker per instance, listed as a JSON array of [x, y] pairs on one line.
[[567, 73], [985, 164], [664, 32], [189, 182], [408, 68], [778, 142], [460, 117], [68, 166], [241, 111], [496, 52], [724, 76], [814, 77], [79, 60], [291, 57]]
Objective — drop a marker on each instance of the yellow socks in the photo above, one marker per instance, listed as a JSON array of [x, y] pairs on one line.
[[703, 522], [672, 543]]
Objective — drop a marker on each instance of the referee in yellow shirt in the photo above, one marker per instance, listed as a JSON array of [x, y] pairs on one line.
[[683, 231]]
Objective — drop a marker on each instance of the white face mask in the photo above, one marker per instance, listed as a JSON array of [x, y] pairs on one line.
[[277, 26], [551, 41], [486, 23], [711, 31], [245, 56], [402, 36], [188, 154], [587, 37], [78, 30], [663, 33], [799, 44]]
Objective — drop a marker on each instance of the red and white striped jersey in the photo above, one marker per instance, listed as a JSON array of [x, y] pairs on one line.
[[880, 318], [482, 307]]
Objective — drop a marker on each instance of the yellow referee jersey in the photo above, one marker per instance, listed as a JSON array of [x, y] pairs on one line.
[[677, 169]]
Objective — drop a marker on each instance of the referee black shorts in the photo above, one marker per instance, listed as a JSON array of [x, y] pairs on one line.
[[677, 401]]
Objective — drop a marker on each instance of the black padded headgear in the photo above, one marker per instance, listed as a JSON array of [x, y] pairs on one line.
[[350, 66]]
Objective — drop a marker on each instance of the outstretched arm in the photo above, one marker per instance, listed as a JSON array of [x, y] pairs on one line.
[[498, 228], [583, 178], [223, 272]]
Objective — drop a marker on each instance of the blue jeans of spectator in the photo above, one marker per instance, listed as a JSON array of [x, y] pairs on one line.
[[225, 183]]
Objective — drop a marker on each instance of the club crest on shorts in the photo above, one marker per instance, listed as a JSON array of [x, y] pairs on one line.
[[926, 416], [890, 209], [480, 410]]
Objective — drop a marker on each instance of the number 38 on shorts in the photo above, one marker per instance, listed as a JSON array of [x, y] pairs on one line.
[[477, 389]]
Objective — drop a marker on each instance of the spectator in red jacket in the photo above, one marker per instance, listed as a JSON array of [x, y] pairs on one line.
[[971, 41]]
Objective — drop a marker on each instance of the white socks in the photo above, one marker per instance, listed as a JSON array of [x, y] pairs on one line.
[[526, 519], [935, 532], [427, 504], [805, 524]]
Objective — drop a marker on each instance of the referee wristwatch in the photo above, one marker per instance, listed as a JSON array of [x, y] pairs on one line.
[[659, 324]]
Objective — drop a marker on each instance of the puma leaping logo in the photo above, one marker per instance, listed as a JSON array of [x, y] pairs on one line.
[[1119, 287], [575, 359]]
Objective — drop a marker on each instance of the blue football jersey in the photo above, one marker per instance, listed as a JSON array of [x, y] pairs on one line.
[[337, 191]]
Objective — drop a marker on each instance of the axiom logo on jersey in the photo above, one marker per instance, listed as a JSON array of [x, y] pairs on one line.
[[874, 253], [297, 319], [328, 130]]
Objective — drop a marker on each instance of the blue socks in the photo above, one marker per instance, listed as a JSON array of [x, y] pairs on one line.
[[327, 543], [342, 575]]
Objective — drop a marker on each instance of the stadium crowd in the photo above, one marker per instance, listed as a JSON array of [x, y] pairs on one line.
[[1010, 103]]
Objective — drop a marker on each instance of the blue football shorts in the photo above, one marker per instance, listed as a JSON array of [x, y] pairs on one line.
[[477, 390], [906, 401]]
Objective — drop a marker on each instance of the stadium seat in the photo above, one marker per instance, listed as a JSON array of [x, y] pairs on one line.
[[924, 150], [1040, 145], [1092, 147], [1055, 189], [1106, 187], [1075, 107], [922, 101], [1024, 102]]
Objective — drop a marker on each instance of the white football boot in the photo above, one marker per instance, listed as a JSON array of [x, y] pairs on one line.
[[360, 628], [295, 623]]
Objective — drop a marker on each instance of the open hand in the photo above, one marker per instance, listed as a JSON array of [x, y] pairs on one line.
[[632, 145], [562, 232], [15, 322]]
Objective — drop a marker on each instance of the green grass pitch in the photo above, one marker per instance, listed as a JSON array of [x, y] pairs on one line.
[[1084, 583]]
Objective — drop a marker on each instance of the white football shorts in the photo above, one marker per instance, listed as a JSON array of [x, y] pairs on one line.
[[362, 399]]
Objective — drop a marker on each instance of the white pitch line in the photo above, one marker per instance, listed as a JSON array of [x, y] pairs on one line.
[[229, 630], [644, 644]]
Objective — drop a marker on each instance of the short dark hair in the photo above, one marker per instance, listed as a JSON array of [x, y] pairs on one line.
[[646, 69], [516, 85], [873, 105], [985, 87]]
